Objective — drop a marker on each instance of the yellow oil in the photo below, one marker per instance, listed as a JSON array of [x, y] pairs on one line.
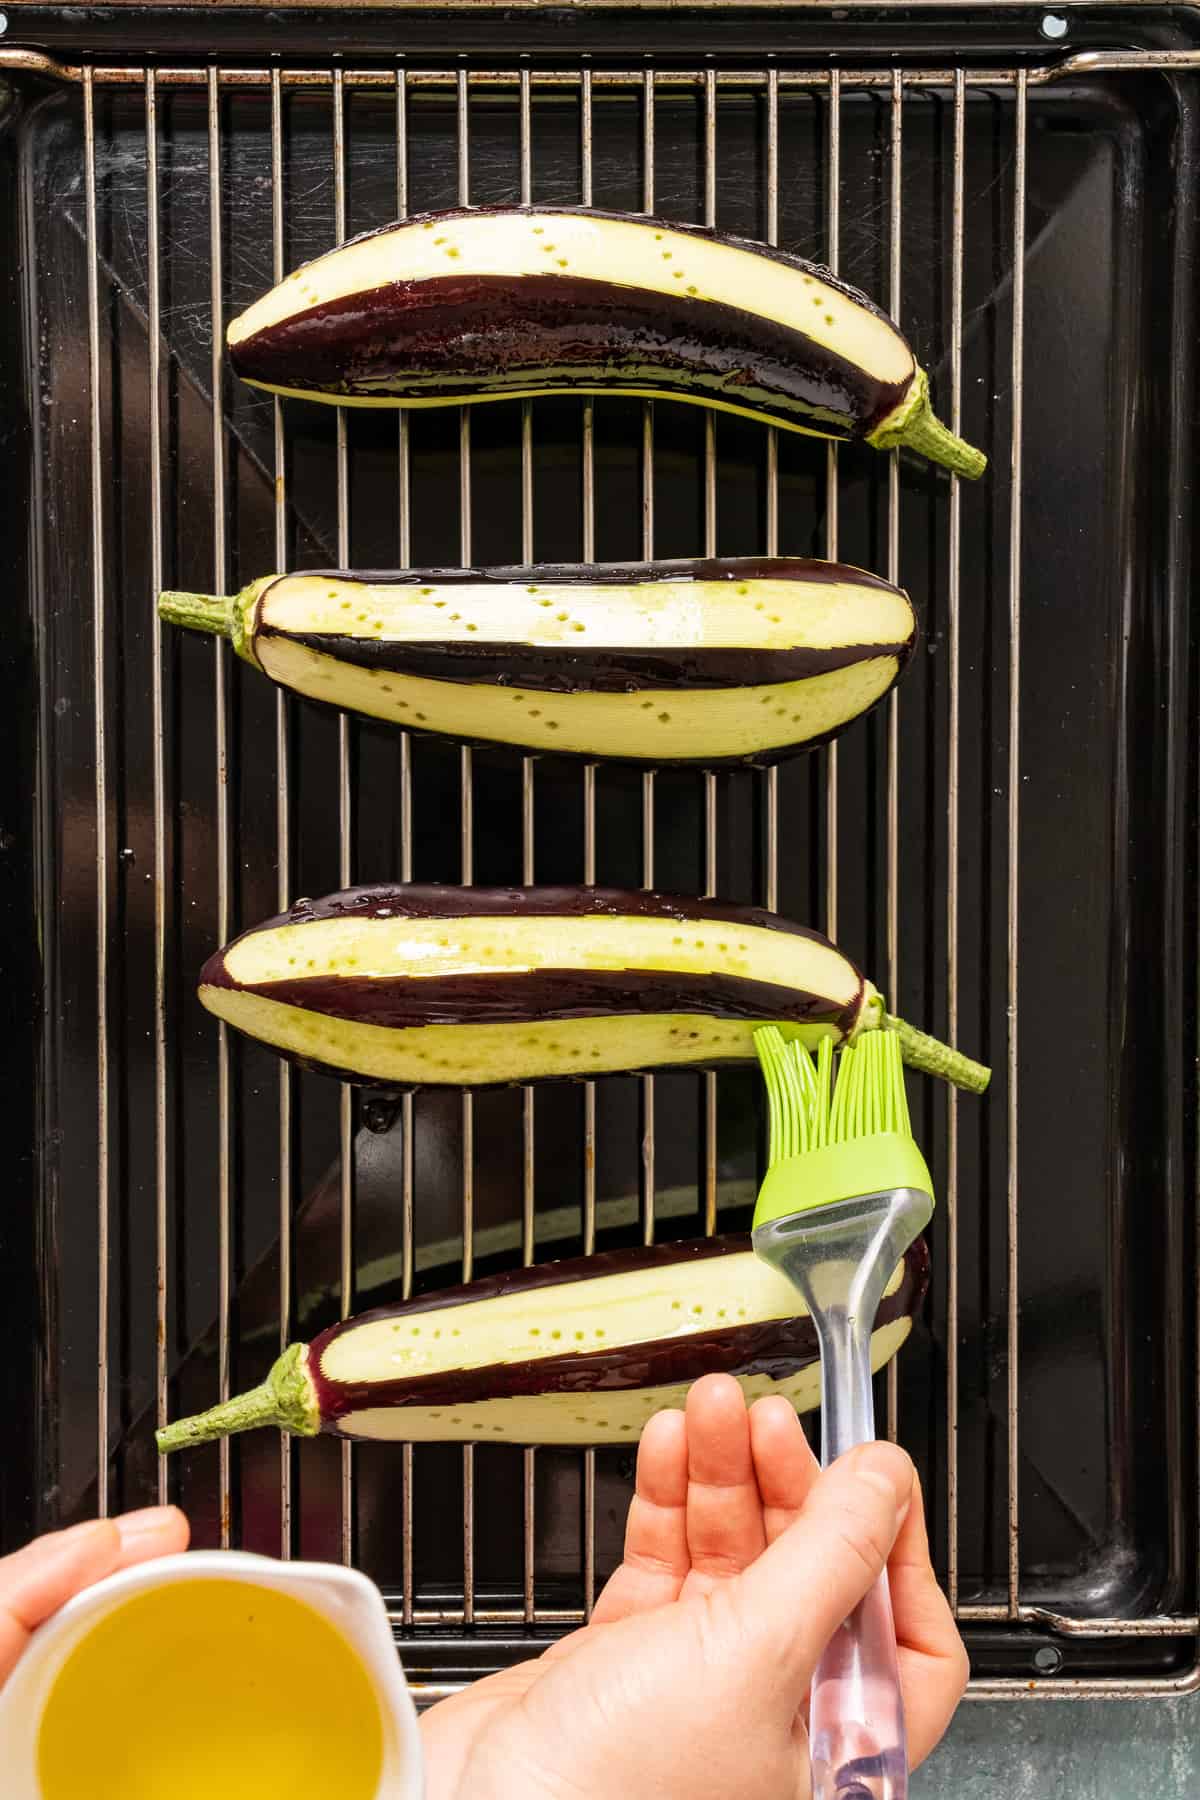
[[211, 1690]]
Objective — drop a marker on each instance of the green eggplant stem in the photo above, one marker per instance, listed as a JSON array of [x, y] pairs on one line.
[[929, 437], [915, 426], [285, 1399], [199, 612], [932, 1057]]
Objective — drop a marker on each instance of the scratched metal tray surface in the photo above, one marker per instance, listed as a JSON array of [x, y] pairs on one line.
[[1009, 849]]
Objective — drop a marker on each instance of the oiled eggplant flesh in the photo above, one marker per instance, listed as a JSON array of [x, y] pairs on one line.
[[573, 1358], [495, 301], [576, 1352], [471, 986], [489, 303], [589, 1418]]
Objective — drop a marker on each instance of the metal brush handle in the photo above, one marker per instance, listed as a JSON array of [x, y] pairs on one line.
[[840, 1257], [856, 1715]]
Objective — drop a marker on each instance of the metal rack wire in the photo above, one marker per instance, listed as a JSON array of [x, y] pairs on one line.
[[524, 87]]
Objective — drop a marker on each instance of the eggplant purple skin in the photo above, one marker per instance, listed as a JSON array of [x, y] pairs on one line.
[[527, 996], [563, 671], [776, 1348], [808, 569], [534, 995], [501, 334], [434, 900]]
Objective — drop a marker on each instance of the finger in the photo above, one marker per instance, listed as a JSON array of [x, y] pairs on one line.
[[153, 1532], [656, 1561], [933, 1662], [724, 1510], [36, 1581], [792, 1600], [924, 1621], [784, 1462]]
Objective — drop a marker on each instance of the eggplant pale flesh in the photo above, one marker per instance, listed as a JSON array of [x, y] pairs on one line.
[[740, 659], [574, 1352], [413, 985], [488, 303]]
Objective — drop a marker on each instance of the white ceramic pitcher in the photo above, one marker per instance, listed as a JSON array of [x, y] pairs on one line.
[[346, 1600]]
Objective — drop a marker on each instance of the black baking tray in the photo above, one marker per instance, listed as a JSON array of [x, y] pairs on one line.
[[1107, 914]]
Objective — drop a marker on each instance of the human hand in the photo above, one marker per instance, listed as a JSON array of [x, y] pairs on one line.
[[36, 1581], [741, 1560]]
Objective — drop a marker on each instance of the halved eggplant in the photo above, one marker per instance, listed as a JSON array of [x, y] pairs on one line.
[[737, 660], [460, 986], [491, 302], [574, 1352]]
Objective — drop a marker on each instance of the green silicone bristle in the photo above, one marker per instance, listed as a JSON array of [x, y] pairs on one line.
[[809, 1110], [853, 1133], [822, 1095], [870, 1095]]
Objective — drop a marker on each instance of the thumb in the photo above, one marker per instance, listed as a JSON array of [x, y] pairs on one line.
[[796, 1595]]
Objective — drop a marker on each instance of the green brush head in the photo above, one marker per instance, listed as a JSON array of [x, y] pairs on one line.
[[835, 1140]]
